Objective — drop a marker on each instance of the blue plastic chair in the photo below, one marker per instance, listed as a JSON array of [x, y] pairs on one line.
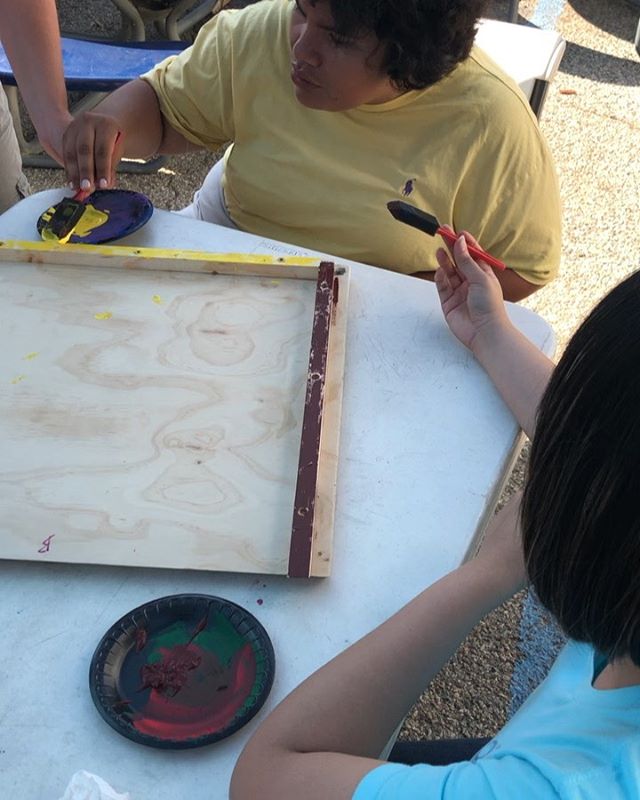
[[101, 66], [95, 67]]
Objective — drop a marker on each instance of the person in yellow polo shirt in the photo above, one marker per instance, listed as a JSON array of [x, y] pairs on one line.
[[333, 108]]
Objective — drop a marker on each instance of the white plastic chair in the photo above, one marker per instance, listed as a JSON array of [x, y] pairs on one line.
[[531, 56], [174, 18]]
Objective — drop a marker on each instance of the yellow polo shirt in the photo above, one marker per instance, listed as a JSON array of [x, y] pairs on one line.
[[470, 146]]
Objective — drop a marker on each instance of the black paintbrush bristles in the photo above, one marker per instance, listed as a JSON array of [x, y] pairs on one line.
[[64, 219], [410, 215]]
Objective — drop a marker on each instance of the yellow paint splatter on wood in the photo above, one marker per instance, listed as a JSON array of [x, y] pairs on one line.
[[103, 315], [18, 378], [157, 300], [30, 356]]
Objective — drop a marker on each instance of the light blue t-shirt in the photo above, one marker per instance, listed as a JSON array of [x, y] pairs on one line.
[[567, 741]]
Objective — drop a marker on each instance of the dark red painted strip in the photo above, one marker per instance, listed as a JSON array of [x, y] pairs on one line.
[[305, 498]]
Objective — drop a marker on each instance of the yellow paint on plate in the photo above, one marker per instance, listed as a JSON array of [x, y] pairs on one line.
[[30, 356], [157, 300], [91, 219], [103, 315], [18, 378]]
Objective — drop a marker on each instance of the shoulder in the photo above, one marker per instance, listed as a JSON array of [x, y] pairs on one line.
[[243, 42], [492, 97], [264, 19], [500, 122], [496, 82], [247, 39]]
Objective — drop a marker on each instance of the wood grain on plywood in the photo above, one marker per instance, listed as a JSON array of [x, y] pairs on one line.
[[151, 418], [322, 552]]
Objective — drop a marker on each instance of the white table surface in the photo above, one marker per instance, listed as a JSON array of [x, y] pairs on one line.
[[425, 445]]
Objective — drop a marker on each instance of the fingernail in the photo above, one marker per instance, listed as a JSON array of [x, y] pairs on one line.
[[103, 183], [85, 183]]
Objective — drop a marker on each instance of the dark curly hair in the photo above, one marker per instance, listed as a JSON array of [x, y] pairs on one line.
[[425, 39]]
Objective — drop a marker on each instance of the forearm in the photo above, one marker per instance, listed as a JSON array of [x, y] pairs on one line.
[[514, 288], [135, 108], [354, 703], [471, 296], [30, 36], [519, 370]]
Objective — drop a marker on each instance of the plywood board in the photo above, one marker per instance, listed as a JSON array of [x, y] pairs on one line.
[[322, 536], [154, 418]]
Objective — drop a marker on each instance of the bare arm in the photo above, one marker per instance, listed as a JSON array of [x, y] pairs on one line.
[[472, 303], [127, 122], [31, 38], [514, 287], [327, 734], [518, 369]]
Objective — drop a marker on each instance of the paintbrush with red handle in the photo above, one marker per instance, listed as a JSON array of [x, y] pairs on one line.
[[410, 215]]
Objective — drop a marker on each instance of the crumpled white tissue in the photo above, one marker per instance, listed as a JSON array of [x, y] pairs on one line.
[[87, 786]]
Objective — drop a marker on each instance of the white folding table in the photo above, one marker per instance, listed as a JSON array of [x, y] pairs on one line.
[[425, 447]]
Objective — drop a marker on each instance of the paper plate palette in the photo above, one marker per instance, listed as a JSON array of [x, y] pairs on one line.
[[182, 671], [111, 214]]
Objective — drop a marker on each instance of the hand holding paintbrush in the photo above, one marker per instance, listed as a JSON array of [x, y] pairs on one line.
[[60, 222], [93, 146], [410, 215], [468, 289], [470, 293]]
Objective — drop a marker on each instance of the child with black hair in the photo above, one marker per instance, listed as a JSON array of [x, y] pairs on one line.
[[574, 536]]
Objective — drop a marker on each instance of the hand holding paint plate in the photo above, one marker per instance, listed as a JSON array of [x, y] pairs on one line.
[[103, 216]]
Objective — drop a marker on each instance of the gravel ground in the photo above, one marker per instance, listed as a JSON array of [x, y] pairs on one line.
[[592, 122]]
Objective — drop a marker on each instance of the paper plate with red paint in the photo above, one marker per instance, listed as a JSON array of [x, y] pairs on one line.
[[183, 671]]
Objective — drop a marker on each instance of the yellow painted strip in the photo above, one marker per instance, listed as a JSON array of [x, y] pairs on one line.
[[157, 252]]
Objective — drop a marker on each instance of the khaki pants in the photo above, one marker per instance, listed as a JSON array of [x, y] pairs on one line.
[[13, 184]]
